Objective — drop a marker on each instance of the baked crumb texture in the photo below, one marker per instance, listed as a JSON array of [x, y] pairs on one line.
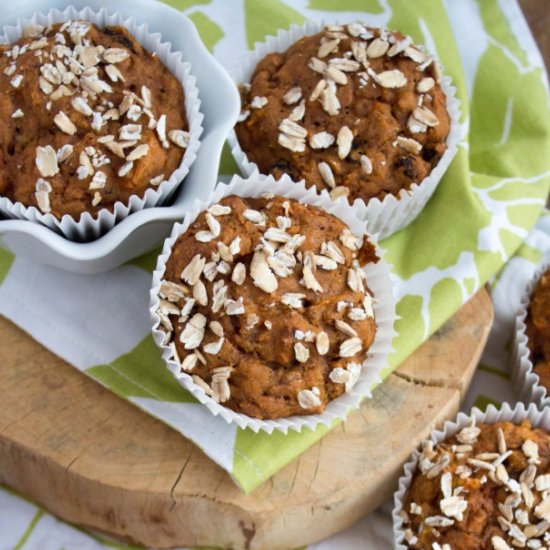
[[538, 329], [486, 488], [89, 118], [265, 305], [354, 110]]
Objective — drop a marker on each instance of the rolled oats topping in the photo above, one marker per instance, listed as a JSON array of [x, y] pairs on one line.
[[377, 48], [86, 103], [480, 490], [361, 112], [321, 140], [261, 298], [390, 79], [293, 96]]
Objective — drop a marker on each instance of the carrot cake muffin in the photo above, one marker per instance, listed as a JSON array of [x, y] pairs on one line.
[[266, 306], [538, 329], [89, 118], [355, 110], [486, 488]]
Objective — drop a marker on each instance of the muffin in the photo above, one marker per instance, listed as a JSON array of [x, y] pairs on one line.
[[537, 325], [485, 488], [264, 303], [357, 111], [91, 119]]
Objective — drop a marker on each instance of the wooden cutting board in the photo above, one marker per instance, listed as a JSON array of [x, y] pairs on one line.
[[97, 461]]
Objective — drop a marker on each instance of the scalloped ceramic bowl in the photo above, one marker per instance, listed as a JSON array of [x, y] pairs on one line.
[[141, 231]]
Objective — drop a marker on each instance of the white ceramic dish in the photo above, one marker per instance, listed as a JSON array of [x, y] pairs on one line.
[[142, 230]]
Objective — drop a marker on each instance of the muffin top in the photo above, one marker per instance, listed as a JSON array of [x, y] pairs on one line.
[[354, 110], [266, 306], [538, 329], [486, 488], [90, 118]]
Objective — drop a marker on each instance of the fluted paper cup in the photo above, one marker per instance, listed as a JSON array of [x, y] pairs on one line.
[[87, 226], [507, 413], [378, 280], [524, 378], [392, 213]]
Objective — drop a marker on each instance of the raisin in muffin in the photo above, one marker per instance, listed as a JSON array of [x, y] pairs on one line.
[[264, 303], [90, 118], [354, 110], [538, 329], [486, 488]]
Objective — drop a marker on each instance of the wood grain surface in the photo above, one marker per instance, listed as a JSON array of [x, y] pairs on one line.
[[96, 460]]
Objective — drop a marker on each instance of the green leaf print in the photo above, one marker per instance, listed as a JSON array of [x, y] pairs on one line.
[[266, 17], [141, 373], [414, 18], [371, 6], [6, 261], [446, 296], [497, 28], [147, 261], [529, 253], [408, 334], [210, 32], [254, 460], [509, 120], [444, 215], [185, 4]]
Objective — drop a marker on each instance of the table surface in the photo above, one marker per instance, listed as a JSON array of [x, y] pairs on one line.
[[537, 13]]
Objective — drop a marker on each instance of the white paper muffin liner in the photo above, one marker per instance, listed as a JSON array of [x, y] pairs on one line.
[[506, 413], [524, 379], [392, 213], [89, 227], [378, 280]]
